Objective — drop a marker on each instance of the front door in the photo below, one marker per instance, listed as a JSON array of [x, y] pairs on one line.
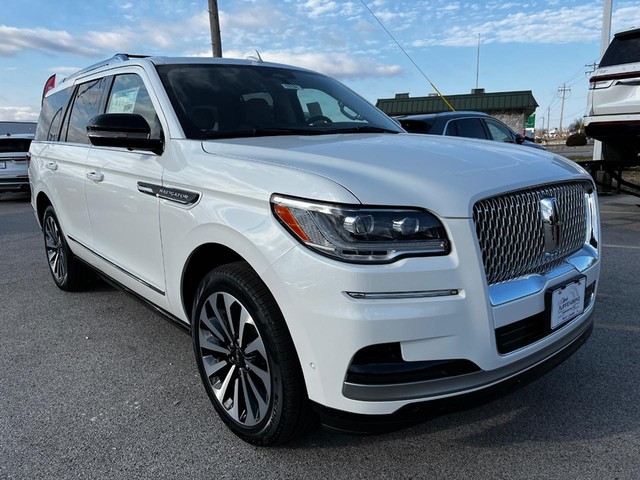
[[124, 216]]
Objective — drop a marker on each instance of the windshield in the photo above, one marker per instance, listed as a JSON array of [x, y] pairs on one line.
[[225, 101]]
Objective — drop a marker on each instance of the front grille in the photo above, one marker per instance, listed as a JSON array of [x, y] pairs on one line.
[[511, 231]]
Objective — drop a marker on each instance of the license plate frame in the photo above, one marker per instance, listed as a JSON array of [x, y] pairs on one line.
[[565, 302]]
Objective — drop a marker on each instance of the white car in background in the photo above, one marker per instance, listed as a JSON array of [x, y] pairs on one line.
[[325, 260], [613, 104]]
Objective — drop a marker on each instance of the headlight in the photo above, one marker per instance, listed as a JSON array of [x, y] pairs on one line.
[[361, 234]]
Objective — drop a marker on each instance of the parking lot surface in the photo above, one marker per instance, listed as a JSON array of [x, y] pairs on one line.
[[95, 385]]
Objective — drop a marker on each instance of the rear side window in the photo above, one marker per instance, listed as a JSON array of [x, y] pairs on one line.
[[51, 115], [466, 127], [417, 126], [499, 133], [86, 105], [623, 49], [129, 95]]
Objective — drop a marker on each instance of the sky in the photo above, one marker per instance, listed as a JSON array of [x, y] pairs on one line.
[[537, 45]]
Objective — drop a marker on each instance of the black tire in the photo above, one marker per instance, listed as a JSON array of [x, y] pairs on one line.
[[249, 367], [68, 273], [619, 155]]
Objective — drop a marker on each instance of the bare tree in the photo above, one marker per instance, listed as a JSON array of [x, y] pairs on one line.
[[576, 125]]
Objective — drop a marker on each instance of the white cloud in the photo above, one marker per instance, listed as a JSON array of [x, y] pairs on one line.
[[63, 71], [14, 40], [18, 114], [316, 8], [340, 65], [564, 25], [113, 40]]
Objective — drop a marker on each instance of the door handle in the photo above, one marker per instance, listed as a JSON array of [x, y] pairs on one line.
[[53, 166], [95, 176]]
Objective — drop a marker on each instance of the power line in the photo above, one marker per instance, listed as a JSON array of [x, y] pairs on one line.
[[408, 56]]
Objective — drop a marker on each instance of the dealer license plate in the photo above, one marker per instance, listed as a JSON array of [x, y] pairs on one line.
[[3, 164], [567, 302]]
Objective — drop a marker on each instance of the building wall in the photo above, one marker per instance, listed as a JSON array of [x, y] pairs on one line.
[[515, 119]]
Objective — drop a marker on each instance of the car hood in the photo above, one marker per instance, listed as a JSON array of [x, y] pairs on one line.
[[445, 175]]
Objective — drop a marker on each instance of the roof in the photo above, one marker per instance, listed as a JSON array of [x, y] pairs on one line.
[[447, 114], [403, 104], [126, 58]]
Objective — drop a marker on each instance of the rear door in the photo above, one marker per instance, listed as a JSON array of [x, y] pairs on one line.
[[615, 89], [59, 152], [124, 215]]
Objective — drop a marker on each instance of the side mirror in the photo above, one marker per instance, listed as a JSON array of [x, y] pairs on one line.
[[520, 138], [126, 130]]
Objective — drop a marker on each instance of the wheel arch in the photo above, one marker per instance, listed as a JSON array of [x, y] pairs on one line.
[[202, 260], [42, 202]]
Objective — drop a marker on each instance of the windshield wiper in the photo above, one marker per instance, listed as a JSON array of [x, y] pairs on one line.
[[261, 132], [362, 129]]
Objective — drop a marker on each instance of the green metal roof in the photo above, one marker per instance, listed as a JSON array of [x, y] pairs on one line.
[[402, 104]]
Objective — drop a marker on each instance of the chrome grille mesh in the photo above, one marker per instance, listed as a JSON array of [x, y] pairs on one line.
[[511, 232]]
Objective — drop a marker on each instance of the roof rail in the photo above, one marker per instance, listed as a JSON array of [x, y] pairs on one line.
[[118, 57]]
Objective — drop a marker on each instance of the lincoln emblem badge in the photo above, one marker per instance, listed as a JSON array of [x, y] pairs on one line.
[[551, 224]]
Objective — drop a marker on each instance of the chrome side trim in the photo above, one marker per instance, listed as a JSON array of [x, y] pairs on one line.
[[178, 195], [471, 381], [118, 267], [401, 295]]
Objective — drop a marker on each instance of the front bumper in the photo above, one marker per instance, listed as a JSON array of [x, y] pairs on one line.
[[421, 411], [329, 326]]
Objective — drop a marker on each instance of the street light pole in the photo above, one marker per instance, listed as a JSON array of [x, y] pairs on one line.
[[214, 22]]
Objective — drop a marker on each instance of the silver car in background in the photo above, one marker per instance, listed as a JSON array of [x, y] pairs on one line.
[[14, 149]]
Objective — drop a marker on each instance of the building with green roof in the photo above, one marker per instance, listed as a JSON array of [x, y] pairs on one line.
[[513, 108]]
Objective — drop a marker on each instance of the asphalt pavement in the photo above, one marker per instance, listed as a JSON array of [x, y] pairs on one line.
[[95, 385]]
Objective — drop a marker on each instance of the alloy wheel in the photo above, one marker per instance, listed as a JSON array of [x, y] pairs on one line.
[[234, 359], [55, 250]]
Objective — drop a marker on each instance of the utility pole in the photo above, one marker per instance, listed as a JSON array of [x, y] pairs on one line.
[[478, 63], [592, 68], [563, 90], [548, 119], [214, 22]]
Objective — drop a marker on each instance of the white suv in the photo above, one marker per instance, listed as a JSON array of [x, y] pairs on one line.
[[613, 104], [325, 260]]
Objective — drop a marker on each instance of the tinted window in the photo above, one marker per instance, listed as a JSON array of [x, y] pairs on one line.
[[86, 105], [623, 49], [499, 132], [417, 126], [129, 95], [14, 145], [213, 100], [51, 115], [466, 127]]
